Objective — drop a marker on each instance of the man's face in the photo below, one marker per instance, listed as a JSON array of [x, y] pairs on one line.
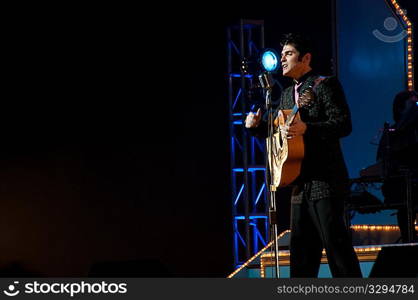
[[291, 66]]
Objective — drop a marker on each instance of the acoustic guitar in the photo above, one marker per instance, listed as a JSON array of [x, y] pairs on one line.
[[286, 160]]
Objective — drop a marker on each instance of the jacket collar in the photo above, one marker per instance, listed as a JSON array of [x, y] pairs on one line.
[[307, 80], [305, 77]]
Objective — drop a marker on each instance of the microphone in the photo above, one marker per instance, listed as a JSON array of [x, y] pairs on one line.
[[266, 80]]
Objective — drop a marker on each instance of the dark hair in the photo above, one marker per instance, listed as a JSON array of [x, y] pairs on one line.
[[399, 103], [301, 43]]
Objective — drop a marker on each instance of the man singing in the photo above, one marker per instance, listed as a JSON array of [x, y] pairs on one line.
[[317, 210]]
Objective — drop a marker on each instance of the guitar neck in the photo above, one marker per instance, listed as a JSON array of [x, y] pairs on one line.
[[292, 115]]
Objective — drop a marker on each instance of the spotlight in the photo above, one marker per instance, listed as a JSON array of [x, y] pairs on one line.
[[270, 60]]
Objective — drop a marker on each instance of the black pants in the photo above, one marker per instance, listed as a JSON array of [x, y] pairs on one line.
[[316, 225]]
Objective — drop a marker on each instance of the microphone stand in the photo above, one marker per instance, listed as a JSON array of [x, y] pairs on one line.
[[265, 80]]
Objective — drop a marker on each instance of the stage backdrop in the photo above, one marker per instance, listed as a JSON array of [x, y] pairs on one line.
[[371, 64]]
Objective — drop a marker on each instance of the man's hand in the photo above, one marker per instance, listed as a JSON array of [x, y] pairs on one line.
[[252, 120], [298, 127]]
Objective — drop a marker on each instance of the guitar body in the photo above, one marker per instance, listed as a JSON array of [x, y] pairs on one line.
[[286, 161]]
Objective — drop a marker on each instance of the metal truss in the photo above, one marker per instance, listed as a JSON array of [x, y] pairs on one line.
[[249, 193]]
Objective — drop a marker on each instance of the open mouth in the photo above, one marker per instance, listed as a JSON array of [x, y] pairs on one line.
[[284, 66]]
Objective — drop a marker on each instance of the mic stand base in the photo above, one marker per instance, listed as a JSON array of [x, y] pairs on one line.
[[274, 230]]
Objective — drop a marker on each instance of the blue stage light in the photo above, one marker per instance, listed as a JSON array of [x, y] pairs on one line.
[[270, 60]]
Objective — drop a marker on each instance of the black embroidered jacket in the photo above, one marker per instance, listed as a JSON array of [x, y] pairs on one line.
[[324, 173]]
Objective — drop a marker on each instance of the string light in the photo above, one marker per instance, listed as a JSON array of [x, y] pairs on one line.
[[257, 255], [376, 227], [401, 12]]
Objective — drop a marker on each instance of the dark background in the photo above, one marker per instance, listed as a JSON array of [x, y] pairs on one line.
[[115, 141]]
